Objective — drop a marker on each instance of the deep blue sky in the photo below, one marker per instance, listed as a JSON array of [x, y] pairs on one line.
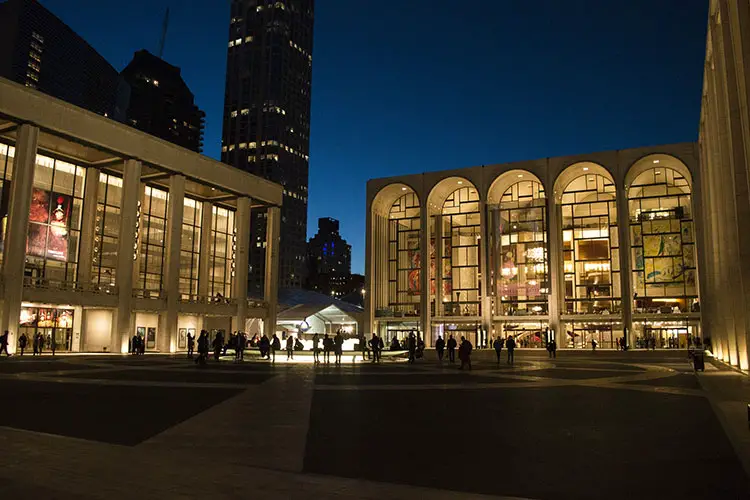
[[416, 85]]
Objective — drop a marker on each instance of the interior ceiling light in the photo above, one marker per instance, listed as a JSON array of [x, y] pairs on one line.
[[656, 161], [520, 175], [403, 189], [460, 182], [585, 169]]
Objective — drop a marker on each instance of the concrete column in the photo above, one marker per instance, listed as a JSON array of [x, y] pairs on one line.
[[126, 256], [204, 259], [623, 243], [88, 225], [424, 274], [370, 253], [271, 282], [439, 249], [484, 268], [166, 340], [555, 266], [241, 259], [14, 257]]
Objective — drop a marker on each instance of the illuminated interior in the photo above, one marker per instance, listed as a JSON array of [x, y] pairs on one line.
[[590, 245], [662, 241], [518, 250]]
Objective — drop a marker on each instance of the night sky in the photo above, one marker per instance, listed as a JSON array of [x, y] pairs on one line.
[[409, 86]]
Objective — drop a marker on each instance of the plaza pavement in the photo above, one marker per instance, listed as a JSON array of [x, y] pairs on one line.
[[582, 426]]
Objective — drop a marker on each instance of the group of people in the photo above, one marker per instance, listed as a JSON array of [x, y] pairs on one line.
[[137, 345], [236, 341], [510, 345], [464, 350], [23, 341], [335, 344]]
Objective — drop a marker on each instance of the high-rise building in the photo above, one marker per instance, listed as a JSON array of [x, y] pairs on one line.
[[267, 118], [161, 103], [329, 259], [40, 51]]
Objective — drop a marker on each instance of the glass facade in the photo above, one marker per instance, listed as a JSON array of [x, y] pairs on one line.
[[662, 241], [518, 250], [190, 246], [403, 256], [153, 223], [460, 240], [54, 220], [591, 256], [109, 199], [221, 268]]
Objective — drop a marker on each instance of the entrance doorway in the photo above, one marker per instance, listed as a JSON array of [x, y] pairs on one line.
[[54, 325]]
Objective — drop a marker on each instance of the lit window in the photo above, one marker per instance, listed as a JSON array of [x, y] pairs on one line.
[[245, 112], [233, 114], [238, 41], [252, 145], [156, 83], [37, 36], [231, 43], [280, 5], [35, 56], [260, 7], [231, 147], [32, 75], [248, 39], [34, 66], [224, 149]]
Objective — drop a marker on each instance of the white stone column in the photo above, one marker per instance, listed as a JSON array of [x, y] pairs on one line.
[[439, 248], [556, 282], [424, 274], [271, 281], [126, 256], [623, 243], [14, 257], [370, 300], [166, 340], [88, 226], [241, 259], [204, 258]]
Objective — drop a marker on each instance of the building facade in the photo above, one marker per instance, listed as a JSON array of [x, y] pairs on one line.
[[329, 259], [40, 51], [108, 232], [581, 248], [725, 167], [267, 117], [161, 104]]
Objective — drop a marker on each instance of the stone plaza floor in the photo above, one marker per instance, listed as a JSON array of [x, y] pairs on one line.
[[583, 426]]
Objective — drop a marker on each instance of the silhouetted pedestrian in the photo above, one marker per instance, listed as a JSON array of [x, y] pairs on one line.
[[202, 348], [510, 344], [552, 348], [289, 347], [316, 348], [411, 344], [451, 349], [190, 345], [363, 346], [22, 341], [327, 348], [275, 346], [440, 348], [338, 346], [376, 345], [498, 345], [464, 353], [240, 344], [4, 343]]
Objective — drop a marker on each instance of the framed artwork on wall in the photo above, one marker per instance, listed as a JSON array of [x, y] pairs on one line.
[[182, 339], [151, 338]]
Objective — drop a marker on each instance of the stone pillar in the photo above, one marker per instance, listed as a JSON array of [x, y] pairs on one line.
[[167, 336], [623, 243], [424, 274], [271, 281], [14, 257], [556, 284], [204, 259], [369, 302], [88, 225], [126, 257], [241, 247]]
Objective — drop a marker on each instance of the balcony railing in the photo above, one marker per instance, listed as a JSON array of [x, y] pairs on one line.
[[71, 286], [188, 298], [140, 293]]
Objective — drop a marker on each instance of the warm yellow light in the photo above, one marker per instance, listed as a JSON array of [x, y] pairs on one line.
[[664, 300], [585, 169], [656, 161]]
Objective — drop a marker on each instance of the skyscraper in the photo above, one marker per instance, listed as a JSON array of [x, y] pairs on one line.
[[161, 104], [267, 118], [40, 51], [329, 259]]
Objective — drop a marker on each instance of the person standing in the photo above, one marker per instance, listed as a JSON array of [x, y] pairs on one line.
[[498, 345], [363, 346], [289, 347], [275, 346], [552, 348], [202, 348], [510, 344], [327, 348], [464, 353], [593, 345], [440, 348], [190, 345], [451, 349], [316, 348], [411, 344], [22, 341], [376, 345], [35, 344], [52, 343], [40, 337], [4, 343], [241, 342], [338, 346]]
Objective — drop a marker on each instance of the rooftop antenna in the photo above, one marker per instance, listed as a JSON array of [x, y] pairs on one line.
[[163, 34]]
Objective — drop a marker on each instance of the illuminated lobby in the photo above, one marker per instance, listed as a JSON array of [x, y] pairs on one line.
[[108, 232], [581, 248]]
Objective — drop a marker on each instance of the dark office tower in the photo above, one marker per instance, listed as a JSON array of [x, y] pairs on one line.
[[161, 104], [267, 118], [40, 51], [329, 259]]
